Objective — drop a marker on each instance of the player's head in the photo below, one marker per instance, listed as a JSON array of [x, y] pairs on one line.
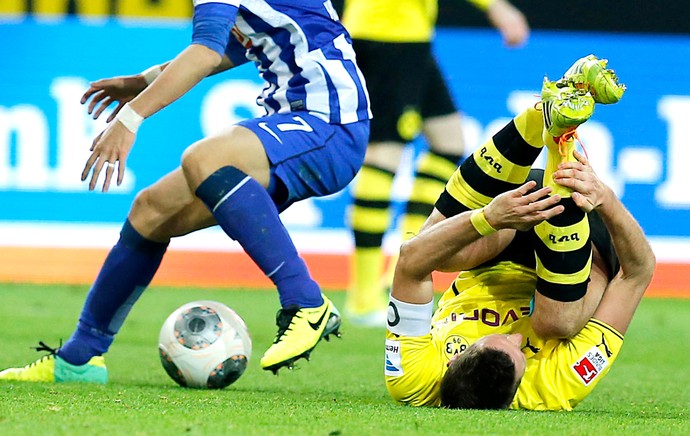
[[486, 375]]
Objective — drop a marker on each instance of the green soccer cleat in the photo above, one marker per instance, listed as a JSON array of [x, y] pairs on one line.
[[53, 369], [564, 107], [590, 73], [299, 330]]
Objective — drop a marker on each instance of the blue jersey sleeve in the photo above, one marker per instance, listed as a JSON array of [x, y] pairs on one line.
[[212, 23], [236, 52]]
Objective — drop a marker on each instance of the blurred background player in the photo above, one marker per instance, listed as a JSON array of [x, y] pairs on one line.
[[436, 361], [311, 142], [409, 96]]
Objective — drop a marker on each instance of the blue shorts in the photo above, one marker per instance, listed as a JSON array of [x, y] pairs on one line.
[[309, 157]]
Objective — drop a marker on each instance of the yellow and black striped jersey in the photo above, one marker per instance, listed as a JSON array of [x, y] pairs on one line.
[[559, 373]]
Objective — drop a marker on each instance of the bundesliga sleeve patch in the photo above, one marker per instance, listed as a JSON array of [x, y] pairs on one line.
[[393, 359], [590, 365]]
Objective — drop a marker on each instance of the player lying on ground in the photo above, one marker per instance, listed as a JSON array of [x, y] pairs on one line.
[[480, 349], [311, 142], [562, 261]]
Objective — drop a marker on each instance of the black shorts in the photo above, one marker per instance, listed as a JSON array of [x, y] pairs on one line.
[[405, 87]]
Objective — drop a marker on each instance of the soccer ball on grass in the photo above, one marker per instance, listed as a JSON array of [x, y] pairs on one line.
[[204, 344]]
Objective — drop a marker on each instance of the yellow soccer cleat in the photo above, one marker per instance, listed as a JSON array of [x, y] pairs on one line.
[[53, 369], [564, 107], [591, 74], [299, 330]]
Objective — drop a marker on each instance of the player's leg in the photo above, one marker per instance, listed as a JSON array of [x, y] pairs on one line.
[[394, 85], [563, 251], [443, 131], [502, 163], [370, 218], [564, 254], [445, 137], [243, 173], [166, 209]]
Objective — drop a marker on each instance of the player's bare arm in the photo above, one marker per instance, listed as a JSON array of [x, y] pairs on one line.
[[509, 21], [122, 89], [474, 253], [490, 246], [636, 257], [111, 148], [423, 254]]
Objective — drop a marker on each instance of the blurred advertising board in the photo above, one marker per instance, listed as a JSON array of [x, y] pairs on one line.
[[637, 146]]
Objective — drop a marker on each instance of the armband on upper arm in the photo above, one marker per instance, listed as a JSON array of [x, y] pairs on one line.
[[212, 22], [407, 319]]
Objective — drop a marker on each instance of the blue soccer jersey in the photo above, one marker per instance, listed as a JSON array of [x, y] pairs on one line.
[[301, 49]]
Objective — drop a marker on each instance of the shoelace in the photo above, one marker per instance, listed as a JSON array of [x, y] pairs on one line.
[[284, 320], [42, 346], [563, 144]]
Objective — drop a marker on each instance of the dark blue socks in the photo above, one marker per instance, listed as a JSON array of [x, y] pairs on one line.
[[125, 274], [247, 214]]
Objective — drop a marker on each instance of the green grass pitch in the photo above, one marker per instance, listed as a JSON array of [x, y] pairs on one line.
[[340, 392]]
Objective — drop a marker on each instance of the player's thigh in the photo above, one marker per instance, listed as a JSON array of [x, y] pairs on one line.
[[395, 85], [436, 100], [386, 155], [442, 122], [168, 208], [238, 146], [308, 157], [552, 319], [444, 134]]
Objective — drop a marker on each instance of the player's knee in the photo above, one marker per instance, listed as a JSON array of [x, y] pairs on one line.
[[199, 162], [553, 328], [192, 165], [144, 213], [557, 319], [143, 205]]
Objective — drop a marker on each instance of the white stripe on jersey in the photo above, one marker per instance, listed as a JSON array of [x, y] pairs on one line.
[[349, 54], [278, 67], [313, 64], [342, 81]]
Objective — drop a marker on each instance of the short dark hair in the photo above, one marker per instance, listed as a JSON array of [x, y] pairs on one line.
[[481, 378]]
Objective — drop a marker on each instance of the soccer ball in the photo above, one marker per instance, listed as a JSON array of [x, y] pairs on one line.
[[204, 344]]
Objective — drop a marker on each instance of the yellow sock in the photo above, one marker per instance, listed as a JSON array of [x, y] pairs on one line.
[[370, 218], [366, 293], [432, 172], [502, 163], [559, 150]]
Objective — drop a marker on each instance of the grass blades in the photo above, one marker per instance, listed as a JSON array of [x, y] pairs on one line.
[[341, 391]]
